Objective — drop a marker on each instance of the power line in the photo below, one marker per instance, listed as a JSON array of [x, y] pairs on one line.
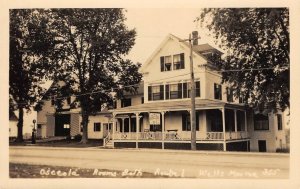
[[153, 81]]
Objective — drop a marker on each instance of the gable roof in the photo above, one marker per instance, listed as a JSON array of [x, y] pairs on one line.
[[196, 49]]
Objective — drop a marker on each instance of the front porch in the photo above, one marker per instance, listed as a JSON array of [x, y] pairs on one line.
[[166, 124]]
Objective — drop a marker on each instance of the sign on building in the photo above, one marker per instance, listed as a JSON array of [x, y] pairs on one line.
[[154, 118]]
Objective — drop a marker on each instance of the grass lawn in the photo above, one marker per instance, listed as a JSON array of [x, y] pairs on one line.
[[61, 143], [17, 170]]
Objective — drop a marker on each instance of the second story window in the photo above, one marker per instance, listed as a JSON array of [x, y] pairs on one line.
[[156, 92], [218, 91], [125, 102], [229, 93]]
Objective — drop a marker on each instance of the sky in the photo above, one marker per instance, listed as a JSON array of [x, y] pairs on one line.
[[154, 24]]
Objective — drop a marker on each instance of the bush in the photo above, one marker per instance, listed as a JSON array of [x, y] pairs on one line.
[[68, 138], [283, 150], [78, 137]]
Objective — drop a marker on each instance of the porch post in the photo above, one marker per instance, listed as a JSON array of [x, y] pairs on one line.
[[123, 125], [113, 129], [246, 121], [224, 132], [235, 121], [137, 128], [163, 129], [129, 123]]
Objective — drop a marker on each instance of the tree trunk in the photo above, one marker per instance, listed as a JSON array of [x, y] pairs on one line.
[[85, 120], [20, 126]]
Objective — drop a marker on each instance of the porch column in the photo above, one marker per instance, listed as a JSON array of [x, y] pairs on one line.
[[113, 129], [246, 121], [224, 132], [123, 125], [163, 129], [235, 121], [129, 123], [137, 128]]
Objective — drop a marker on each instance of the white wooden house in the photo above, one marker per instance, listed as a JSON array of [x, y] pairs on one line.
[[160, 118], [158, 114]]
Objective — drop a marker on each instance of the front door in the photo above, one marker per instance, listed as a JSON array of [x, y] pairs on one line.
[[262, 146]]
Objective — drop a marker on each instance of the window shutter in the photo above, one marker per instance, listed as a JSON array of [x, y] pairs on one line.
[[167, 92], [184, 90], [197, 88], [182, 60], [162, 64], [122, 103], [179, 90], [149, 93], [161, 92]]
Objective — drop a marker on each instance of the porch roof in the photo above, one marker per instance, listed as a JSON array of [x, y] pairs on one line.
[[157, 106]]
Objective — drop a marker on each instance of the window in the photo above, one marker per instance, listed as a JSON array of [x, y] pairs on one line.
[[175, 91], [186, 122], [218, 91], [241, 100], [279, 122], [229, 95], [97, 127], [187, 89], [125, 102], [39, 126], [261, 122], [197, 88], [166, 62], [178, 61], [66, 126], [156, 92]]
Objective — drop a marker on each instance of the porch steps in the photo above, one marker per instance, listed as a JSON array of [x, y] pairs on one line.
[[109, 144]]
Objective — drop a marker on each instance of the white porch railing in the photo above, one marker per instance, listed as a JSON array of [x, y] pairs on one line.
[[236, 135], [125, 136], [183, 135]]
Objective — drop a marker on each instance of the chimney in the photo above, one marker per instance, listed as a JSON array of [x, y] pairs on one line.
[[195, 37]]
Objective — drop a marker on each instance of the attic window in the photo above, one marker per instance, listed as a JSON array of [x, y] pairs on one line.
[[178, 61], [166, 62]]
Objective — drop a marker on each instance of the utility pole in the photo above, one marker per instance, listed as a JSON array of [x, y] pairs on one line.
[[194, 38]]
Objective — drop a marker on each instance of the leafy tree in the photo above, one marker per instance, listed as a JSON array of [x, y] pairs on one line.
[[93, 43], [257, 43], [30, 45]]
